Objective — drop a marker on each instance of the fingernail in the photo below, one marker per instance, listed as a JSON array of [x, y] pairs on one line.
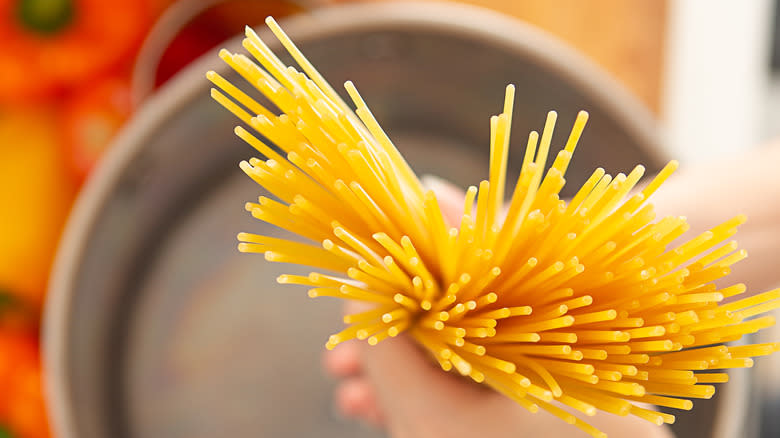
[[437, 184]]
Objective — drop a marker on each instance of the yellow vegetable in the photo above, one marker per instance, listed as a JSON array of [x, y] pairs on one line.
[[36, 192]]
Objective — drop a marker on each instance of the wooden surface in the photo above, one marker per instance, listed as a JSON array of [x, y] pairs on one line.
[[625, 37]]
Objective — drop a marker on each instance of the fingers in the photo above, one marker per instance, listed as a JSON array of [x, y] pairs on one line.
[[394, 376], [355, 398], [450, 197], [411, 389], [343, 361]]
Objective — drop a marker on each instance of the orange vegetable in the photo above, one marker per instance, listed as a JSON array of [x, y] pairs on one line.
[[51, 45], [36, 191], [22, 407]]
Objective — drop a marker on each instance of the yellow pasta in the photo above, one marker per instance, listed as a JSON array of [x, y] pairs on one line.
[[581, 304]]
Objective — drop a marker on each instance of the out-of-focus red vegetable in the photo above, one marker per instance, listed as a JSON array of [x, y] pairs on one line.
[[192, 41], [215, 25], [51, 45], [91, 119], [22, 408], [64, 93]]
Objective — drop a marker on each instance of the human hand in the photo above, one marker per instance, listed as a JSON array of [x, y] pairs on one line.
[[712, 192], [395, 385]]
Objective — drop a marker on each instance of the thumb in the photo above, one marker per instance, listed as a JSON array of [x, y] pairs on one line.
[[407, 382], [416, 397], [450, 197]]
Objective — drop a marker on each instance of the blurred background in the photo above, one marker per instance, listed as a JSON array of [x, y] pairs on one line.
[[74, 72]]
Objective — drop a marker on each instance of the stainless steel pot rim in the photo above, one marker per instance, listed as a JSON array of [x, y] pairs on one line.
[[465, 20]]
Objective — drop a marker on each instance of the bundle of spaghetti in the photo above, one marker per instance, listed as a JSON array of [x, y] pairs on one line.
[[568, 306]]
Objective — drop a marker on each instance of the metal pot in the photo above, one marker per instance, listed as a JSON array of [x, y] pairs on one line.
[[157, 327]]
